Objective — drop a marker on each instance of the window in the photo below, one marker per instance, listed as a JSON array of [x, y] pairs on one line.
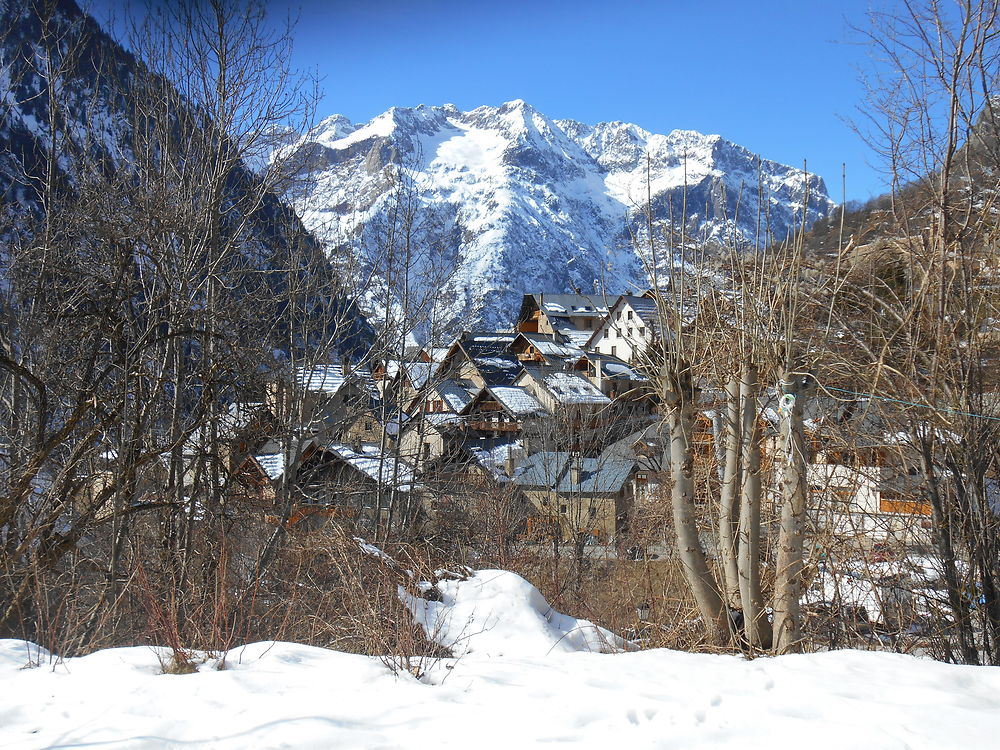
[[642, 331], [618, 315], [614, 351], [630, 333], [427, 450], [562, 508], [630, 315], [593, 512]]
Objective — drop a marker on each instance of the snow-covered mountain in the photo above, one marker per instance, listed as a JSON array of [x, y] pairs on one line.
[[72, 101], [505, 200]]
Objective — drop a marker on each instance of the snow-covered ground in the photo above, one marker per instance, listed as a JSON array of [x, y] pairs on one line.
[[288, 695]]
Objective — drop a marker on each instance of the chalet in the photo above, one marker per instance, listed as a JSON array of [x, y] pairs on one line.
[[433, 422], [479, 461], [324, 399], [630, 327], [869, 494], [574, 316], [503, 410], [410, 379], [553, 350], [483, 358], [562, 392], [445, 396], [354, 482], [616, 379], [586, 499], [245, 429]]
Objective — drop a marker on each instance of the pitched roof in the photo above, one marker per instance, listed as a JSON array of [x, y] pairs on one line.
[[273, 464], [323, 378], [644, 307], [492, 453], [615, 368], [552, 470], [490, 352], [436, 353], [554, 352], [457, 394], [420, 373], [386, 470], [571, 304], [645, 310], [571, 388], [517, 401]]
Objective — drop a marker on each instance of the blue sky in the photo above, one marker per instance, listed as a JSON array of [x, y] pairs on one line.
[[777, 77]]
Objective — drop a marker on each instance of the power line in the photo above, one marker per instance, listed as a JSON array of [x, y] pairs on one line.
[[914, 403]]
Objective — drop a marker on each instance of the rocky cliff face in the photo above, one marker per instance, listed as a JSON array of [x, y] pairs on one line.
[[72, 117], [511, 201]]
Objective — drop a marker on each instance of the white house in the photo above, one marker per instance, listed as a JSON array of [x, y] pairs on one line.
[[628, 329]]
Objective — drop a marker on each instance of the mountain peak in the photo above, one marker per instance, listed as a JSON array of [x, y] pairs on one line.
[[515, 201]]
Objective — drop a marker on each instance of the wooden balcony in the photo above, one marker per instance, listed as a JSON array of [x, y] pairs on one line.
[[494, 426]]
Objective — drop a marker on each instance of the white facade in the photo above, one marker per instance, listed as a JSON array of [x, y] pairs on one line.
[[868, 504], [628, 329]]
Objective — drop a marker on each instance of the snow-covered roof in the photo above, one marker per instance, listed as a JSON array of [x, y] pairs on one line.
[[492, 454], [560, 351], [571, 388], [586, 305], [322, 378], [420, 373], [457, 394], [553, 470], [517, 401], [439, 419], [491, 354], [579, 338], [644, 307], [273, 464], [436, 353], [386, 470]]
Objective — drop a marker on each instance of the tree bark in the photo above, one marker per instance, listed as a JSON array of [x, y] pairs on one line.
[[787, 627], [699, 576], [755, 628], [729, 496]]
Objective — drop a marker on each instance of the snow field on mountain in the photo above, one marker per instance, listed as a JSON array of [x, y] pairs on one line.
[[525, 203], [546, 688]]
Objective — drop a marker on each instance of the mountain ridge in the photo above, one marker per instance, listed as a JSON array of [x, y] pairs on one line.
[[522, 202]]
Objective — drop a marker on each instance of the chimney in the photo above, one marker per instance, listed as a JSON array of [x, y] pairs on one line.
[[514, 455], [574, 468]]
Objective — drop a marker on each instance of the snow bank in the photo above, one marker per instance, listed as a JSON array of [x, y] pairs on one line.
[[498, 613], [274, 695]]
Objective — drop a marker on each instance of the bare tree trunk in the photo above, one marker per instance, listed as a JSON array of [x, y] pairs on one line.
[[945, 548], [787, 628], [693, 559], [757, 633], [729, 497]]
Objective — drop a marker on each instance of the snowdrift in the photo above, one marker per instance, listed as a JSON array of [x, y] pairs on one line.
[[498, 613]]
